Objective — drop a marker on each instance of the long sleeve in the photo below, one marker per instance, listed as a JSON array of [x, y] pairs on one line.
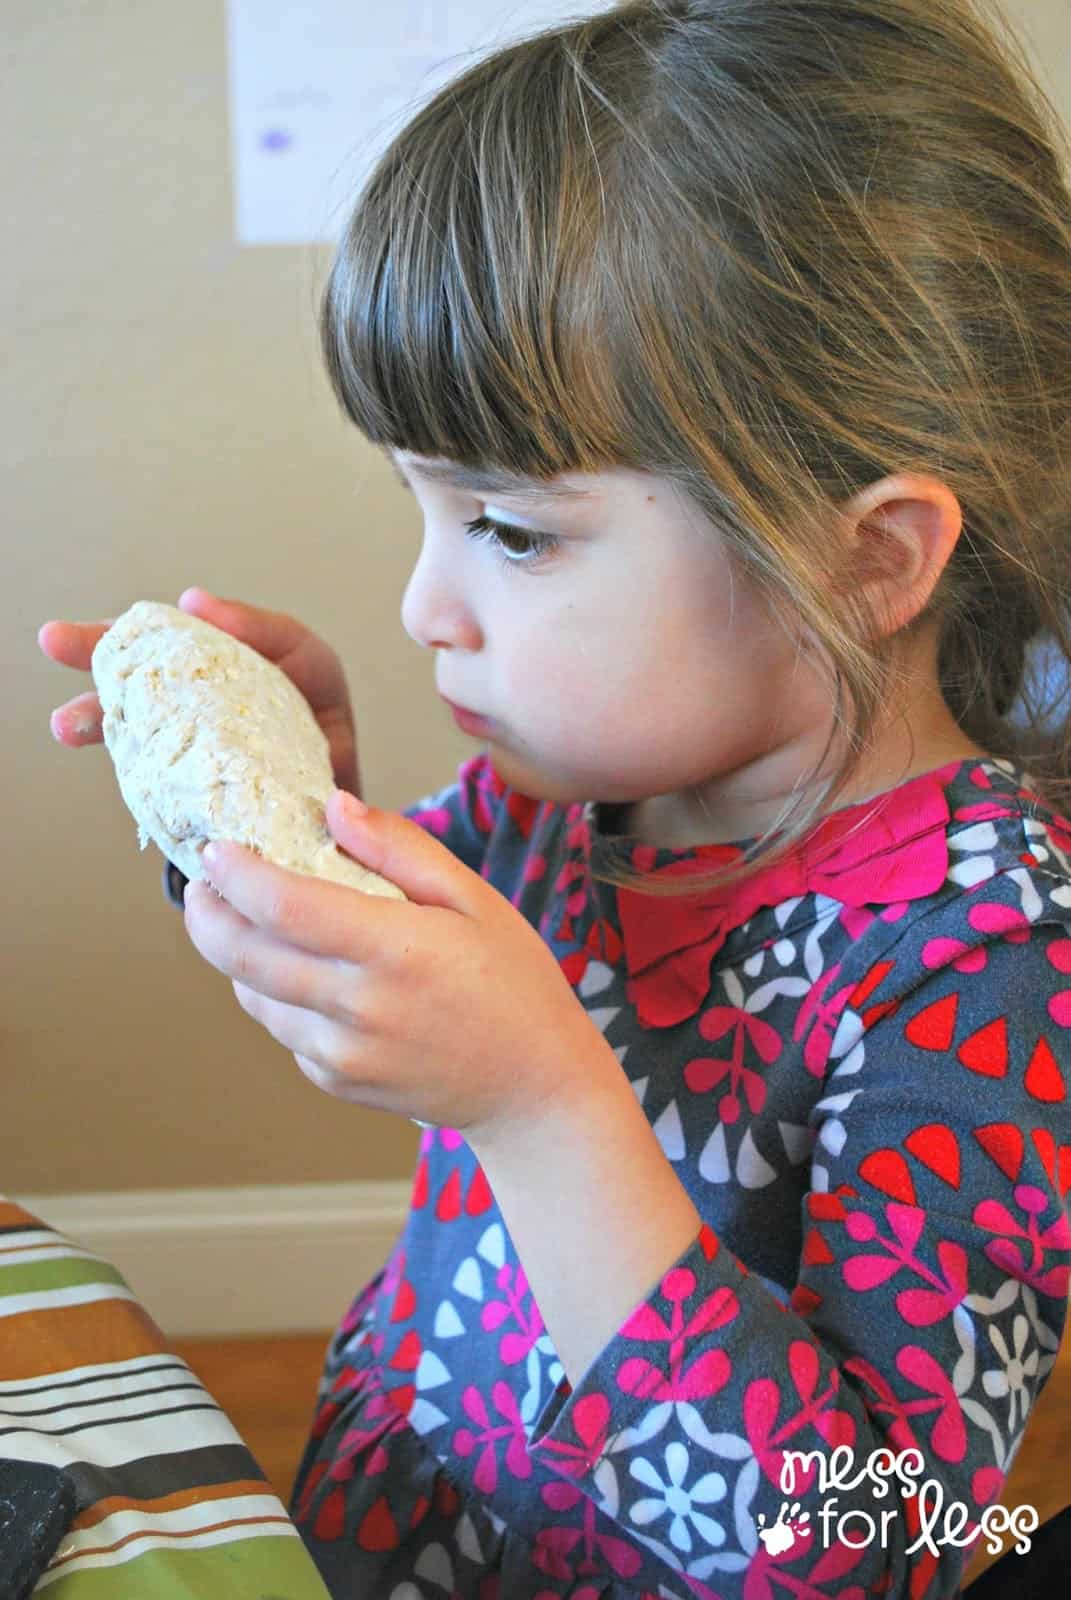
[[929, 1306], [462, 815]]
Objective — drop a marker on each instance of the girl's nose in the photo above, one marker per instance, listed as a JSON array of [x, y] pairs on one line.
[[435, 610]]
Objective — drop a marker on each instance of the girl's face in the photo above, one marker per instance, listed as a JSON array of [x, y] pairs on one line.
[[623, 662]]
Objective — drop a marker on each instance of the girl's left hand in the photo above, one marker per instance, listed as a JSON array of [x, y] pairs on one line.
[[448, 1008]]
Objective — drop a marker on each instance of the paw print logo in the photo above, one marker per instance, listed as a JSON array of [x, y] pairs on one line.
[[782, 1536]]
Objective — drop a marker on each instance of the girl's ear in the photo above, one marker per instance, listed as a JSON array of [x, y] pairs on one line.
[[899, 534]]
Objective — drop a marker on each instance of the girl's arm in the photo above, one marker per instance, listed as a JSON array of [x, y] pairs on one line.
[[594, 1208]]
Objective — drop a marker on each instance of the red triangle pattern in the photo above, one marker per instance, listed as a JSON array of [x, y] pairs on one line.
[[331, 1517], [1045, 1145], [937, 1148], [1003, 1144], [816, 1252], [1044, 1080], [866, 986], [804, 1300], [825, 1207], [888, 1171], [378, 1529], [402, 1399], [934, 1026], [479, 1198], [986, 1050], [1064, 1168], [405, 1302], [448, 1205], [407, 1356]]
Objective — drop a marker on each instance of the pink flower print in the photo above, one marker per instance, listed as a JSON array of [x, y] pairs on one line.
[[603, 943], [513, 1346], [708, 1373], [766, 1578], [571, 895], [435, 819], [535, 868], [855, 920], [825, 1016], [517, 1459], [948, 1435], [762, 1404], [963, 957], [702, 1074], [1059, 956], [991, 917], [572, 873], [919, 1307], [1009, 1256], [899, 1434], [680, 1504], [922, 1307], [380, 1419], [590, 1419], [553, 1546]]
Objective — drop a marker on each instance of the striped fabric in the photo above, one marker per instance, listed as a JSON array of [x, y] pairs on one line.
[[171, 1504]]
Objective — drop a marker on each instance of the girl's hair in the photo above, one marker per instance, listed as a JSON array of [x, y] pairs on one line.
[[772, 250]]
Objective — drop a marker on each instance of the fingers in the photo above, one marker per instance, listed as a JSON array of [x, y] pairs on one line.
[[78, 721], [71, 643], [272, 633]]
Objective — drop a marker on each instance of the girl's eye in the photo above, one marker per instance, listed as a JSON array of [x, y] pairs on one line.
[[533, 545]]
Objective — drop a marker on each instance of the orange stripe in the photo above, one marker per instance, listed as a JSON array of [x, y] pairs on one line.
[[167, 1533], [171, 1502], [34, 1344], [9, 1252], [13, 1216]]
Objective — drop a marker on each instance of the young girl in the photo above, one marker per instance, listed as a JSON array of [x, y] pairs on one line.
[[735, 336]]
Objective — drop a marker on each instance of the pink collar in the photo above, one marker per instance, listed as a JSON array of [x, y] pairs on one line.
[[898, 855]]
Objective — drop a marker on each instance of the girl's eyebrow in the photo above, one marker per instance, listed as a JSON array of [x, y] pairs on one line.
[[479, 480]]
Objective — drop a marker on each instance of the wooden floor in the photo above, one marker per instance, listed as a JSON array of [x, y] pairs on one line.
[[268, 1389]]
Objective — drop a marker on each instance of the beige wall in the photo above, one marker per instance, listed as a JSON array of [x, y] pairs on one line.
[[166, 423]]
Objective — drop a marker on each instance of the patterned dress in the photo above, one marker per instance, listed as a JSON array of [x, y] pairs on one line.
[[858, 1064]]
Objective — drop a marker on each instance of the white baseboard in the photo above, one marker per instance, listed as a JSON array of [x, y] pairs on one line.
[[262, 1259]]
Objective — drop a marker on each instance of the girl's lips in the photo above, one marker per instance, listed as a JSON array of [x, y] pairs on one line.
[[469, 721]]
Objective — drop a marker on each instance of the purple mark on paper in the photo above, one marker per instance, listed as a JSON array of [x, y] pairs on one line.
[[275, 139]]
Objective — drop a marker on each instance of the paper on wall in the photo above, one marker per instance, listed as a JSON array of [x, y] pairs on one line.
[[318, 88]]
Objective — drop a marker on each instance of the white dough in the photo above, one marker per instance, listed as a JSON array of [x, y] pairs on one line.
[[212, 741]]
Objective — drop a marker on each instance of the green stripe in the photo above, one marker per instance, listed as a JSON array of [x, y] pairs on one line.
[[61, 1273], [274, 1565]]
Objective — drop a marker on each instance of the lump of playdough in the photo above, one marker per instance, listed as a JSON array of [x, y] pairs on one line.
[[212, 741]]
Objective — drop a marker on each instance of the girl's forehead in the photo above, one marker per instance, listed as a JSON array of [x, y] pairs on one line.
[[495, 480], [575, 490]]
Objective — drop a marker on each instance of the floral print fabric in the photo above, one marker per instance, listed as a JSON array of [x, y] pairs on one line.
[[857, 1063]]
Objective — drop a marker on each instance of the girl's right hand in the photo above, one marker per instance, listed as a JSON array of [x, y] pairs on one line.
[[310, 664]]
